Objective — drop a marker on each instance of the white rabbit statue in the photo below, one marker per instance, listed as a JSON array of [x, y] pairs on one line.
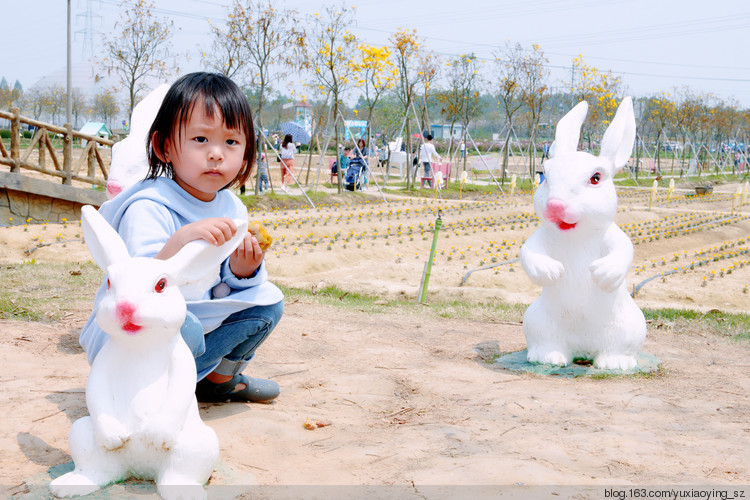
[[129, 160], [580, 256], [144, 419]]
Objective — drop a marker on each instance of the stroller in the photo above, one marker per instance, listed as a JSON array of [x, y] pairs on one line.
[[355, 174]]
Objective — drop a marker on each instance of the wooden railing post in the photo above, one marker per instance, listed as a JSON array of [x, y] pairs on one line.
[[15, 139], [42, 147], [91, 157], [68, 154]]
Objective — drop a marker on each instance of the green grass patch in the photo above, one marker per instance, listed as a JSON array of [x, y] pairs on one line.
[[728, 325], [479, 311], [283, 201], [335, 296], [338, 297], [45, 292]]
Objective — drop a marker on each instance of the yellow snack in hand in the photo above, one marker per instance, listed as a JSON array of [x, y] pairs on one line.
[[260, 233]]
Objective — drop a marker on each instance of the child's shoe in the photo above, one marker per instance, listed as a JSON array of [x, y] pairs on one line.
[[257, 390]]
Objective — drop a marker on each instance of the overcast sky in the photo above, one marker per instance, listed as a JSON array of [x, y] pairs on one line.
[[652, 45]]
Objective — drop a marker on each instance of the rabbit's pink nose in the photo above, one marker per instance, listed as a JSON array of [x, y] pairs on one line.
[[125, 314], [556, 211], [114, 188]]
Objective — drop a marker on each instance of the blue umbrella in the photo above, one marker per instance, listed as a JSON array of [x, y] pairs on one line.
[[298, 133]]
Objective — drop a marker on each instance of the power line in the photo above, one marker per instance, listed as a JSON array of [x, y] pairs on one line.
[[523, 7]]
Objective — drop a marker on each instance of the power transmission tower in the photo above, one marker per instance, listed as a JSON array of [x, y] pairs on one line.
[[88, 31]]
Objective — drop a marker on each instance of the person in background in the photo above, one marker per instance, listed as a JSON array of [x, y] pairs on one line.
[[426, 153], [288, 149], [263, 172]]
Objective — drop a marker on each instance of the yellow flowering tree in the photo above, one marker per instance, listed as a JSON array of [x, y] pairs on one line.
[[406, 47], [105, 105], [600, 90], [10, 97], [660, 112], [375, 73], [331, 50]]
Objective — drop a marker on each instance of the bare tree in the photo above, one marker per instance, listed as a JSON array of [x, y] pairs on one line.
[[460, 101], [35, 102], [138, 48], [80, 106], [331, 49], [256, 45], [55, 101], [428, 69], [508, 64], [534, 92]]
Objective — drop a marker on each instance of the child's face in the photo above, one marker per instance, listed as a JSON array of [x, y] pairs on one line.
[[207, 155]]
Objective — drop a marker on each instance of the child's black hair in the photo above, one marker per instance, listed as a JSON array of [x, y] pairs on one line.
[[215, 91]]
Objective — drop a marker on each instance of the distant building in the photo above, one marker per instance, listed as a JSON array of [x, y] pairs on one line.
[[96, 129], [443, 131]]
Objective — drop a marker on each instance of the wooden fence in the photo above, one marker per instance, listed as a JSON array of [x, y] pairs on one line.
[[66, 168]]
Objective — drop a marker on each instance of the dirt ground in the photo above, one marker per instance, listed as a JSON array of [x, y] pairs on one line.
[[410, 397]]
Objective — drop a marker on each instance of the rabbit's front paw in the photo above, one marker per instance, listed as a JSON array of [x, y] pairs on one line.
[[615, 362], [607, 273], [111, 434], [161, 434], [543, 270]]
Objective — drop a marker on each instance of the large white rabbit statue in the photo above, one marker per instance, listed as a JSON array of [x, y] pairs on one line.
[[580, 256], [129, 159], [144, 419]]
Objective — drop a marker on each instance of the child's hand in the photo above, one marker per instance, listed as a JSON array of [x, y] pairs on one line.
[[247, 258], [216, 231]]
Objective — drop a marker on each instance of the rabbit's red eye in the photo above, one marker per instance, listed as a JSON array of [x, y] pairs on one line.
[[596, 178], [160, 285], [109, 285]]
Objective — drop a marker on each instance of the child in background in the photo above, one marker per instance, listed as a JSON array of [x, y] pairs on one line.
[[202, 142], [263, 172]]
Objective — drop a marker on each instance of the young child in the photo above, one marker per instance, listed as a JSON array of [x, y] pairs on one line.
[[202, 142]]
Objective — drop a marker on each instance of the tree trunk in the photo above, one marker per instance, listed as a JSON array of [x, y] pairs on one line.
[[658, 151], [339, 180], [314, 134], [506, 147], [409, 160], [532, 153]]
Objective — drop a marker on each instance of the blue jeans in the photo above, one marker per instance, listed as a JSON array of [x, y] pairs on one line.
[[233, 344], [263, 181], [427, 171]]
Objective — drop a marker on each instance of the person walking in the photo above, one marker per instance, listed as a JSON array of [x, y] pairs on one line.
[[426, 153], [287, 159]]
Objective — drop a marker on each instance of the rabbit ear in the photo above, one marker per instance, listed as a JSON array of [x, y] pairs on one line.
[[198, 258], [617, 143], [104, 243], [569, 130]]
